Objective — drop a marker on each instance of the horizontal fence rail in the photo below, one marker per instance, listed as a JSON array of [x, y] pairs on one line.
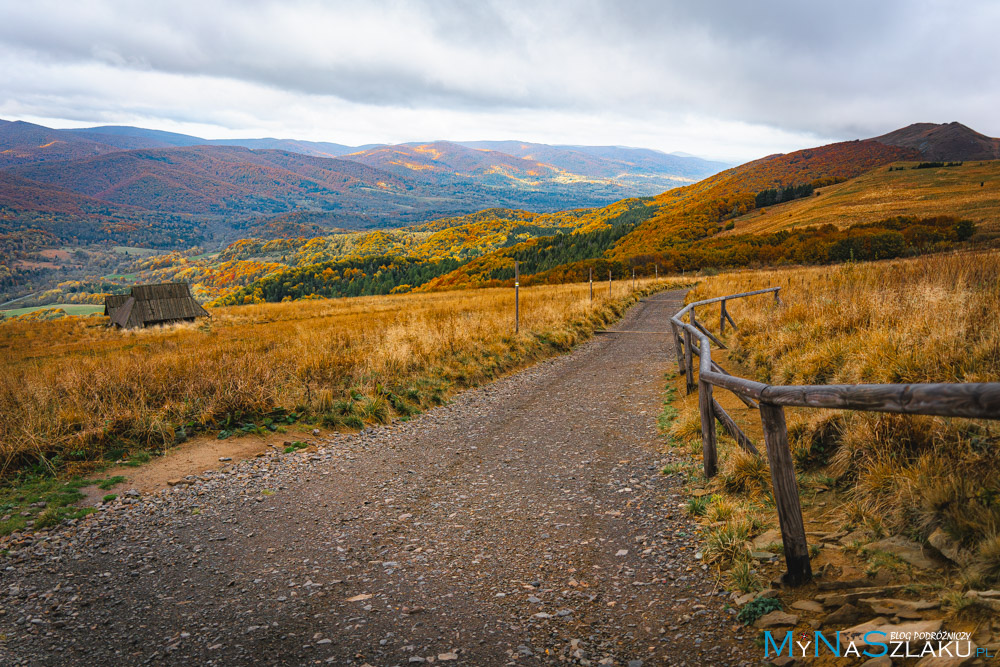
[[970, 400]]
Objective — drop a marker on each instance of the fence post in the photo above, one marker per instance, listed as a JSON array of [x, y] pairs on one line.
[[777, 299], [517, 297], [722, 317], [786, 495], [656, 271], [688, 363], [609, 283], [679, 349], [708, 449], [591, 283]]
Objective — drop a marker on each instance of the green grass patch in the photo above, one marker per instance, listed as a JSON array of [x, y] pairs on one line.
[[41, 499], [78, 309], [106, 484]]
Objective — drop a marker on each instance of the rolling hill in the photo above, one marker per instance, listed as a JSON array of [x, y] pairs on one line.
[[25, 143], [949, 141], [970, 190]]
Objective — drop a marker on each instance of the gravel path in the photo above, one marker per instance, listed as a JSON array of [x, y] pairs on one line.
[[523, 523]]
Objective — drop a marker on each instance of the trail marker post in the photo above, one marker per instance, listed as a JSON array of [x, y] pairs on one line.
[[517, 297], [609, 283], [591, 283], [633, 280]]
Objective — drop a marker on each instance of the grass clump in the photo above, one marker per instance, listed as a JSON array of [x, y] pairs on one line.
[[698, 505], [743, 577], [295, 446], [728, 544], [106, 484]]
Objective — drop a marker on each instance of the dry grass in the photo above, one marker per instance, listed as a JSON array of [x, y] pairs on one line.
[[932, 319], [970, 191], [75, 391]]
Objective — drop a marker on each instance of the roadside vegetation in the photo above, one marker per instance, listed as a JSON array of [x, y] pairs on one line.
[[75, 393], [867, 476]]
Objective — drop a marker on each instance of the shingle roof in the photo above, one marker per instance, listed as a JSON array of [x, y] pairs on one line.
[[153, 304]]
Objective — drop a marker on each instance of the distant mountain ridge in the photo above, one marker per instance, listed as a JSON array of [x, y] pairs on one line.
[[946, 141], [333, 184]]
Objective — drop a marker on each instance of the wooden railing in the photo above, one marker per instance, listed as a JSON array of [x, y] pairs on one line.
[[971, 400]]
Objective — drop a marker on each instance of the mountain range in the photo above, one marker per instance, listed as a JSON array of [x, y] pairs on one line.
[[104, 187], [352, 187]]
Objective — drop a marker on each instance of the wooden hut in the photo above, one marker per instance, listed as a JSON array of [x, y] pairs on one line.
[[147, 305]]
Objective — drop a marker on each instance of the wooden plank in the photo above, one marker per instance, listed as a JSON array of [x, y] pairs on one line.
[[733, 429], [683, 311], [722, 317], [975, 400], [736, 385], [710, 335], [730, 318], [786, 495], [716, 368]]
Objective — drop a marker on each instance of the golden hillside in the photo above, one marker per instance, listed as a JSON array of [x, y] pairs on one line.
[[970, 190]]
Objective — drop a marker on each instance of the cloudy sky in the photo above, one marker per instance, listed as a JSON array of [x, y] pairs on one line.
[[727, 80]]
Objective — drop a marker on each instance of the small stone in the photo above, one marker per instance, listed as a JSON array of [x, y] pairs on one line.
[[223, 459], [808, 605], [776, 619], [948, 547], [315, 432], [905, 549], [881, 661], [846, 614], [444, 657], [622, 552], [766, 539]]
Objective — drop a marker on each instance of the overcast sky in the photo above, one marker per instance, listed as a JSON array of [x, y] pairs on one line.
[[728, 80]]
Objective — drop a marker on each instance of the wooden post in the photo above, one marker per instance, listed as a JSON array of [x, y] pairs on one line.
[[708, 438], [656, 271], [633, 280], [609, 283], [688, 363], [679, 349], [517, 297], [786, 495], [722, 317], [591, 283], [777, 299]]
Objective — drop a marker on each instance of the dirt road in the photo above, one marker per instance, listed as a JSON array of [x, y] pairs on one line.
[[524, 523]]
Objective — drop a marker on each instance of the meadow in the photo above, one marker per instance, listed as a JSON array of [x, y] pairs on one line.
[[76, 393], [929, 319]]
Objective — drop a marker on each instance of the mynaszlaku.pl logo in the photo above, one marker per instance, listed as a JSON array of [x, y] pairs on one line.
[[875, 644]]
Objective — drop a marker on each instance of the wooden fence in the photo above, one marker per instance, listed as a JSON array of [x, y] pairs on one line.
[[971, 400]]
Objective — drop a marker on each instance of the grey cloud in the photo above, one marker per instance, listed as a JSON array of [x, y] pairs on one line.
[[835, 69]]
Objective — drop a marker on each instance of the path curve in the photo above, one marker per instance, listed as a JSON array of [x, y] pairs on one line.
[[524, 523]]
